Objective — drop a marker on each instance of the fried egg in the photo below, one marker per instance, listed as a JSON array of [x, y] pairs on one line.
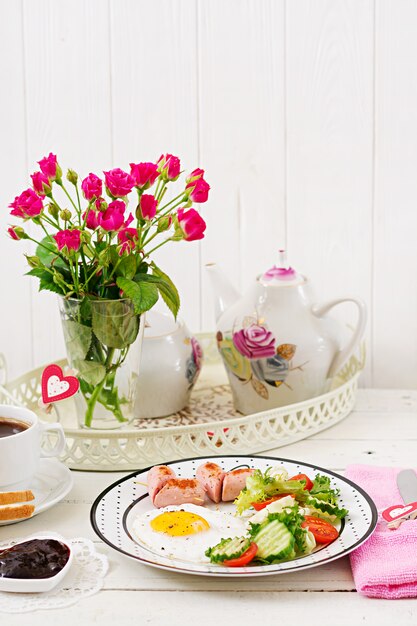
[[185, 532]]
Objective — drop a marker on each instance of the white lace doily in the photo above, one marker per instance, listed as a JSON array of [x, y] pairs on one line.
[[84, 578]]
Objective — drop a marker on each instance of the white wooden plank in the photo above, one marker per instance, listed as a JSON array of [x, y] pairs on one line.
[[337, 454], [387, 400], [15, 327], [154, 95], [175, 609], [242, 137], [395, 265], [68, 88], [371, 426], [128, 574], [329, 114]]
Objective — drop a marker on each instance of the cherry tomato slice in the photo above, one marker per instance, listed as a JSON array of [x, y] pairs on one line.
[[244, 558], [258, 506], [309, 483], [322, 531]]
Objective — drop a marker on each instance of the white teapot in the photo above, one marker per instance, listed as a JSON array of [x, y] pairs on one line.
[[278, 346], [171, 361]]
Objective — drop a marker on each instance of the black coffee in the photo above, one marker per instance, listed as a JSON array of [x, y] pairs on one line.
[[10, 427]]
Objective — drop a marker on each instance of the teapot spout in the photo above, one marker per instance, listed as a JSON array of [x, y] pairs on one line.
[[223, 291]]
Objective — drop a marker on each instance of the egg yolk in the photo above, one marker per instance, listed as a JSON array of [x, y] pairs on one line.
[[179, 523]]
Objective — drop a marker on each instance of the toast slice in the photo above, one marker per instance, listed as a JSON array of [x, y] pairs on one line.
[[10, 512], [12, 497]]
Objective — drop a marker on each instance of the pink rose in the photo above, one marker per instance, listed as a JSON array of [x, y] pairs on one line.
[[195, 174], [118, 182], [199, 190], [92, 220], [144, 174], [28, 204], [41, 184], [128, 221], [92, 186], [255, 342], [191, 224], [169, 166], [13, 234], [113, 217], [127, 237], [148, 206], [100, 204], [69, 239], [49, 166], [197, 353]]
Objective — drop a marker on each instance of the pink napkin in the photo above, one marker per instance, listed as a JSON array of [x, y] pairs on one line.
[[386, 565]]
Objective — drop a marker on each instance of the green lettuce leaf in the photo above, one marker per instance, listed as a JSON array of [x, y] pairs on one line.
[[261, 486], [325, 508]]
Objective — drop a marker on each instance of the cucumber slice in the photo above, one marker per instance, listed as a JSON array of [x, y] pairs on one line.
[[274, 541], [227, 549]]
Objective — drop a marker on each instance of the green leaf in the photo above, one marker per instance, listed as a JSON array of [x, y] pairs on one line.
[[168, 290], [101, 245], [47, 252], [85, 310], [91, 371], [143, 267], [39, 272], [46, 280], [115, 323], [126, 267], [77, 339], [114, 255], [144, 295]]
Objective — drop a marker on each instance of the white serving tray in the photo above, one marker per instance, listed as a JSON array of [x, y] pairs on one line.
[[209, 426]]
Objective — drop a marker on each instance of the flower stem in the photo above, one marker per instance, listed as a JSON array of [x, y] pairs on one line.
[[181, 196], [61, 184], [170, 209], [156, 247], [91, 403]]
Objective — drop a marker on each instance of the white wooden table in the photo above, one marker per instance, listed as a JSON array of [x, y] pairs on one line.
[[381, 431]]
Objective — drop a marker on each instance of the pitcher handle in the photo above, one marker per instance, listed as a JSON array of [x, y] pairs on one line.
[[319, 310]]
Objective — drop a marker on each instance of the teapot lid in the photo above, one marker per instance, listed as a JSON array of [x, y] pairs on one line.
[[283, 275]]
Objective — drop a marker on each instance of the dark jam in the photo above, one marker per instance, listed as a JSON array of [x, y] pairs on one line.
[[36, 558]]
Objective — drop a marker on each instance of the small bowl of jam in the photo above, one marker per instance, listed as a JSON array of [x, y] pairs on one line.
[[36, 564]]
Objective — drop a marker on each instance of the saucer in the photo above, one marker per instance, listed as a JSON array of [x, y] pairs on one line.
[[50, 485]]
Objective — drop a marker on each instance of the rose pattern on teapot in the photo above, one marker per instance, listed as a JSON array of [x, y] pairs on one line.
[[194, 362], [252, 355]]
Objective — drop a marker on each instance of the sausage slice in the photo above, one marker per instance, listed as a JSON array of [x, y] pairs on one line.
[[234, 482], [158, 476], [180, 491], [211, 477]]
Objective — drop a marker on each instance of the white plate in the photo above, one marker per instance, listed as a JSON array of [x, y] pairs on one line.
[[115, 509], [52, 482]]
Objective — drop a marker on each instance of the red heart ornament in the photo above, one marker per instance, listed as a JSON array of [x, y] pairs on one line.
[[56, 386], [399, 511]]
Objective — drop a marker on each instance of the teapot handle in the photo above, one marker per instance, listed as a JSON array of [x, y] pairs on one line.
[[319, 310]]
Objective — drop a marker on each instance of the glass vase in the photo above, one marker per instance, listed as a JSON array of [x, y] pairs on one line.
[[103, 339]]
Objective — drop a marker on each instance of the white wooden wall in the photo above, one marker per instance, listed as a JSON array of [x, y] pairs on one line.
[[302, 112]]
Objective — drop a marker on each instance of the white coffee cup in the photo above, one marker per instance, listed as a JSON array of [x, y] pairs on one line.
[[21, 452]]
